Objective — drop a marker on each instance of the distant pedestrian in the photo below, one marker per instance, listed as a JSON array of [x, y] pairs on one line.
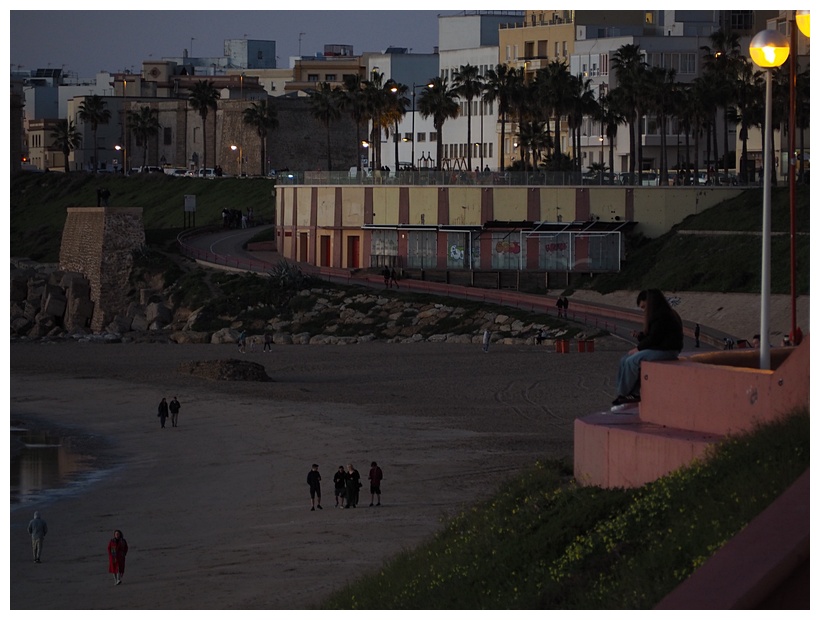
[[339, 479], [268, 342], [697, 335], [105, 195], [393, 278], [117, 550], [352, 485], [486, 340], [162, 412], [386, 276], [174, 408], [240, 343], [375, 476], [38, 529], [560, 305], [565, 303], [314, 480]]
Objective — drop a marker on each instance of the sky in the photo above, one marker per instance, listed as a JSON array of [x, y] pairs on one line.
[[88, 41]]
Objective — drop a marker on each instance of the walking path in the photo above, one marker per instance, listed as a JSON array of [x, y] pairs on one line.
[[720, 315]]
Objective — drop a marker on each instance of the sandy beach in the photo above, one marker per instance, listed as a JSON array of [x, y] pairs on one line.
[[216, 512]]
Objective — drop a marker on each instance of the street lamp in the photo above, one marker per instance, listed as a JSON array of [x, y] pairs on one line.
[[121, 148], [238, 148], [802, 18], [413, 123], [601, 139], [768, 49]]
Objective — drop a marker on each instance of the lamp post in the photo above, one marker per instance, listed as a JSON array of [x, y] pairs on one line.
[[768, 49], [121, 148], [234, 147], [800, 19], [413, 123]]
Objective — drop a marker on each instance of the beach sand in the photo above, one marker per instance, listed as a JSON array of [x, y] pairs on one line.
[[217, 512]]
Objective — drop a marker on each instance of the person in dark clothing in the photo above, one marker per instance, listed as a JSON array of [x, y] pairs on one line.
[[386, 276], [660, 339], [375, 476], [162, 412], [393, 278], [339, 479], [352, 484], [697, 335], [313, 480], [174, 408]]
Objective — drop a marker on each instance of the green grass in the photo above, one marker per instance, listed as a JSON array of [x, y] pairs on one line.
[[544, 543]]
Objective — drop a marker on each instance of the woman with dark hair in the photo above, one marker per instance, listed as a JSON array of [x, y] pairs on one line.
[[117, 549], [660, 339]]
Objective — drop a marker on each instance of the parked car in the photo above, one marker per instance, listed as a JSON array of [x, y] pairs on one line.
[[203, 173]]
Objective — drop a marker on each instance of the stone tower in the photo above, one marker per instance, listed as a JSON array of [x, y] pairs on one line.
[[99, 242]]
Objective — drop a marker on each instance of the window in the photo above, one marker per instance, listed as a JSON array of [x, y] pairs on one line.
[[603, 61], [408, 136], [433, 136], [313, 77], [259, 55], [330, 77], [421, 137], [273, 87], [565, 49], [557, 48], [167, 135]]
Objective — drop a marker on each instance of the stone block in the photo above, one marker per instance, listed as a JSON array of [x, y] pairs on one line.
[[157, 312], [139, 323], [55, 305]]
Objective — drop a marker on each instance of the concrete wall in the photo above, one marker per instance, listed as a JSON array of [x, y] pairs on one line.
[[99, 242]]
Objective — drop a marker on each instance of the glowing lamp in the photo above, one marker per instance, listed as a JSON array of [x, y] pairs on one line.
[[769, 49], [802, 19]]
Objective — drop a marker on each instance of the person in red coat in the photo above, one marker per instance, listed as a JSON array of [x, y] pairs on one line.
[[117, 549]]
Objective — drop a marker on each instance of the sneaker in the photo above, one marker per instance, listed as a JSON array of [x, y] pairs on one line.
[[632, 398], [625, 404], [319, 506], [312, 508]]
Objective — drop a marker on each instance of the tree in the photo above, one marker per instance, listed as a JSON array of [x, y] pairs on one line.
[[325, 105], [144, 125], [497, 87], [396, 110], [438, 101], [721, 63], [93, 111], [661, 89], [353, 101], [468, 84], [203, 98], [610, 118], [553, 85], [629, 67], [66, 138], [262, 116]]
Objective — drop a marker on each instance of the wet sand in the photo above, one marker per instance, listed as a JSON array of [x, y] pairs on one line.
[[217, 512]]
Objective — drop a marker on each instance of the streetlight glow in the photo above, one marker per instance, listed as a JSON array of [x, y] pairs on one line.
[[802, 19], [768, 49]]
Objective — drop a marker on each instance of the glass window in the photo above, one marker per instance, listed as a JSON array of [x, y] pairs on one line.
[[384, 246], [433, 136], [553, 252], [422, 137], [457, 255], [330, 77], [421, 249], [313, 77], [507, 252]]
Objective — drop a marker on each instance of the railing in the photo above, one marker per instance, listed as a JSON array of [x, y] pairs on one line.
[[239, 263], [430, 177]]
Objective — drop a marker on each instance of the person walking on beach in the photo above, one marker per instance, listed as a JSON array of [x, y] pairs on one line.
[[352, 484], [268, 342], [117, 550], [486, 340], [240, 343], [174, 408], [38, 529], [386, 276], [314, 479], [393, 278], [375, 476], [162, 412], [339, 486]]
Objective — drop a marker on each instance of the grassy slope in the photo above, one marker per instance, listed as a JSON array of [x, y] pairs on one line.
[[673, 262]]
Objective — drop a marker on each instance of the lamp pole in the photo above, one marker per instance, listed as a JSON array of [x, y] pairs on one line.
[[768, 49], [239, 148], [413, 132]]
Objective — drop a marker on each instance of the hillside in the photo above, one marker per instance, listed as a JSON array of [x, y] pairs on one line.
[[687, 258]]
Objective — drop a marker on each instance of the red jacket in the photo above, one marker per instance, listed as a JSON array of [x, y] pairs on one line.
[[116, 555]]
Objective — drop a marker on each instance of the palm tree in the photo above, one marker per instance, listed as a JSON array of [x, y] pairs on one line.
[[93, 110], [468, 84], [354, 102], [325, 105], [611, 118], [203, 98], [629, 67], [553, 84], [144, 124], [438, 101], [721, 63], [66, 138], [748, 99], [262, 116], [497, 86], [580, 103], [661, 90]]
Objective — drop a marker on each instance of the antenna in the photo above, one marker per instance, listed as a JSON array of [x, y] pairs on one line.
[[301, 34]]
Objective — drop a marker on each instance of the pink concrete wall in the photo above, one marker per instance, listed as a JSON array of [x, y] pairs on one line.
[[721, 399]]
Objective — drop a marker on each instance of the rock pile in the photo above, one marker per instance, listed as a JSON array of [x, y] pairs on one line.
[[225, 370]]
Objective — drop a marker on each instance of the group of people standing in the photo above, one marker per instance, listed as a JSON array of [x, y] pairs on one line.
[[346, 485], [166, 408]]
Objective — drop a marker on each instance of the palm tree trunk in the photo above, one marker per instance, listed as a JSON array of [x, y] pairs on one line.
[[327, 129], [469, 138]]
